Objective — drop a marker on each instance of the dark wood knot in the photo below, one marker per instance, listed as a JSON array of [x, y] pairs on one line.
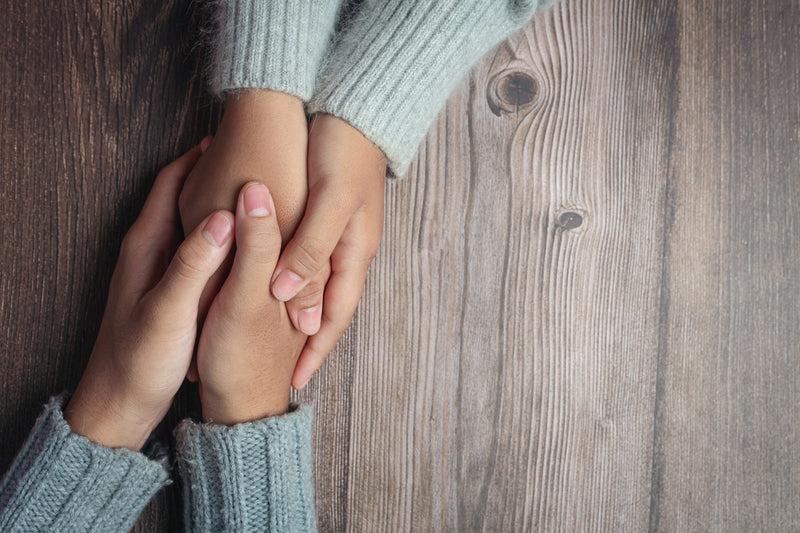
[[569, 220], [511, 90]]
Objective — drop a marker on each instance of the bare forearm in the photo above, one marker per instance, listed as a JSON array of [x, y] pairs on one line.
[[262, 137]]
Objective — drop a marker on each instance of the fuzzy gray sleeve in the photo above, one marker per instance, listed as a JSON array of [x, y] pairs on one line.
[[268, 44], [391, 70], [248, 477], [61, 481]]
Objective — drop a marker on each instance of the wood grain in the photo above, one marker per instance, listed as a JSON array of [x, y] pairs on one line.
[[585, 314], [513, 387], [727, 443]]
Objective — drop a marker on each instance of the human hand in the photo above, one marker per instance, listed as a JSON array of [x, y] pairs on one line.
[[148, 331], [263, 137], [341, 227], [248, 347]]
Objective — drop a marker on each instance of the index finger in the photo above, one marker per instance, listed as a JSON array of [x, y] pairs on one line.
[[161, 205], [342, 294], [327, 213]]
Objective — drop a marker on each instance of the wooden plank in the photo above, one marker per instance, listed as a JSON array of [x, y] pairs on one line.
[[727, 441], [508, 381]]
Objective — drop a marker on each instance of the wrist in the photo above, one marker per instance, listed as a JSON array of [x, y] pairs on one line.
[[105, 420], [99, 411], [229, 410], [250, 106]]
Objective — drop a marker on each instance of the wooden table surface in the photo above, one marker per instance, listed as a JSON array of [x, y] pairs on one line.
[[586, 311]]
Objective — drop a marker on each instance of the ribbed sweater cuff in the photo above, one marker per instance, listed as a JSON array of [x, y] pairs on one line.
[[248, 477], [270, 44], [391, 71], [61, 481]]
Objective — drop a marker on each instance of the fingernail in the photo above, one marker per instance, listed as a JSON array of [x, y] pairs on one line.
[[204, 144], [217, 229], [256, 200], [286, 285], [309, 319]]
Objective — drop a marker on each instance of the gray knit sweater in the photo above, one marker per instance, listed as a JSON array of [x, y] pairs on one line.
[[248, 477], [387, 72]]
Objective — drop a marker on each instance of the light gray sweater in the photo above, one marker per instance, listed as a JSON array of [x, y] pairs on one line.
[[248, 477], [387, 72]]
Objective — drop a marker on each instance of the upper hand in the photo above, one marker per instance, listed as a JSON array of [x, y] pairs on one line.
[[148, 331], [341, 228], [263, 137], [248, 347]]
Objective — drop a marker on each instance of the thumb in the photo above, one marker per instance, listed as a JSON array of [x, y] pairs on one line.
[[195, 261], [258, 243]]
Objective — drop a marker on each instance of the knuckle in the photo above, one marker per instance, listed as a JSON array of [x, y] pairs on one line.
[[369, 257], [309, 254], [165, 171], [312, 292], [339, 325], [356, 267], [262, 243], [340, 331], [345, 325], [324, 274], [371, 249], [188, 264]]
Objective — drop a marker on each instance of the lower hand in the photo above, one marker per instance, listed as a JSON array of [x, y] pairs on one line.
[[341, 228], [248, 347], [148, 331]]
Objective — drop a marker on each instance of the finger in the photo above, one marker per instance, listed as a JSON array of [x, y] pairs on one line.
[[161, 206], [213, 287], [206, 297], [205, 143], [142, 263], [192, 374], [305, 309], [258, 243], [327, 215], [342, 294], [196, 259], [150, 243]]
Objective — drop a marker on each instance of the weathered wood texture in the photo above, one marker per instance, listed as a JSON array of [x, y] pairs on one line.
[[727, 433], [586, 311]]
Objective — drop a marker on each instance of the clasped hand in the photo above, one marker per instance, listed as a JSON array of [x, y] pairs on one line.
[[247, 349], [327, 180], [257, 306]]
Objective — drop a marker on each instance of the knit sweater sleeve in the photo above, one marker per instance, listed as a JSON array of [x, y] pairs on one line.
[[61, 481], [248, 477], [391, 70], [272, 44]]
